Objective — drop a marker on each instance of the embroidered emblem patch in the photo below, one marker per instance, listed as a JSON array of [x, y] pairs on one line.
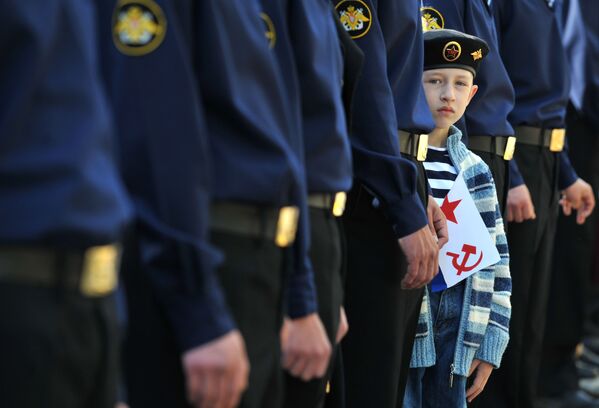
[[476, 55], [139, 27], [431, 19], [270, 33], [452, 51], [355, 16]]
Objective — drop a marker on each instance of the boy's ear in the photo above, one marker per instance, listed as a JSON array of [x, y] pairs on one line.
[[473, 91]]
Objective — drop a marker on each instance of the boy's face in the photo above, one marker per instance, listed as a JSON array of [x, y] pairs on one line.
[[448, 92]]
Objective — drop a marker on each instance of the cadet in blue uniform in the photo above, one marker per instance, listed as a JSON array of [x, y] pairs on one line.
[[259, 184], [178, 319], [530, 46], [383, 206], [486, 128], [306, 44], [63, 207], [572, 264]]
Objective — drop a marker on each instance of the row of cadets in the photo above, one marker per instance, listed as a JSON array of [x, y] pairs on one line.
[[531, 49], [391, 252], [570, 302]]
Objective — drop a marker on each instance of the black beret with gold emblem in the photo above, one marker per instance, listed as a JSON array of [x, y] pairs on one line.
[[446, 48]]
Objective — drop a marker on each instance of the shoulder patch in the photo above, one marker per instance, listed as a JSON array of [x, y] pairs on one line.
[[432, 19], [355, 16], [269, 30], [138, 27]]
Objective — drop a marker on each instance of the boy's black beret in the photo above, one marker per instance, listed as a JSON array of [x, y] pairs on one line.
[[444, 48]]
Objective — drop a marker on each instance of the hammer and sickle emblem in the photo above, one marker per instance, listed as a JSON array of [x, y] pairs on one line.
[[467, 250]]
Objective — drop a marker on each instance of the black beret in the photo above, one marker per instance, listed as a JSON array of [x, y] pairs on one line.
[[444, 48]]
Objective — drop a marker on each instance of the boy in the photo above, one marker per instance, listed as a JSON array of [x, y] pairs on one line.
[[462, 330]]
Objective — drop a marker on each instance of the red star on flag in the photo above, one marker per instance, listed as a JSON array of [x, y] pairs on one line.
[[448, 207]]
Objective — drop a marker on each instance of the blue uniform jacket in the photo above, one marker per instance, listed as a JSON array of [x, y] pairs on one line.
[[532, 51], [254, 128], [377, 161], [59, 184], [166, 166], [402, 32]]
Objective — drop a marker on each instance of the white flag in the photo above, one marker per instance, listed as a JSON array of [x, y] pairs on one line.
[[470, 247]]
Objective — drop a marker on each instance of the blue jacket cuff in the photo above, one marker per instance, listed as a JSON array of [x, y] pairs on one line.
[[515, 176], [407, 216], [567, 174], [302, 294], [198, 318]]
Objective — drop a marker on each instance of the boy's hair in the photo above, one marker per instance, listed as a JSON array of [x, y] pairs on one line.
[[444, 48]]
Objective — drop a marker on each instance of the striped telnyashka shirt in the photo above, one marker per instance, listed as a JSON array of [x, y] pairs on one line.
[[440, 172]]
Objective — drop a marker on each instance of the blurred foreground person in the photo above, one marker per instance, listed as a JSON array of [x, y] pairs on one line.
[[181, 332], [62, 210]]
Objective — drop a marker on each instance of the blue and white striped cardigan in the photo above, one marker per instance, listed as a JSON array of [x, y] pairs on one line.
[[484, 324]]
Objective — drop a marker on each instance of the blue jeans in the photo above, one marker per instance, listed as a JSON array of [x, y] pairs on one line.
[[430, 386]]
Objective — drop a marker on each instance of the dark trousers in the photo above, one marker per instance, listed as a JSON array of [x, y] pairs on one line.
[[500, 170], [571, 276], [252, 279], [531, 244], [151, 357], [336, 396], [58, 349], [326, 256], [382, 316]]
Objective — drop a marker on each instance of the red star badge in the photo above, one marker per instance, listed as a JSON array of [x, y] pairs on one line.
[[448, 207], [452, 52]]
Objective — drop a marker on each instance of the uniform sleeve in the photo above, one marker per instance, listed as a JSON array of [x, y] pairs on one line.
[[516, 178], [377, 161], [567, 174], [165, 165]]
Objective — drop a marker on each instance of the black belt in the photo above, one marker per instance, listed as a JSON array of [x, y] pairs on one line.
[[268, 223], [413, 144], [92, 272], [326, 201], [502, 146], [554, 139]]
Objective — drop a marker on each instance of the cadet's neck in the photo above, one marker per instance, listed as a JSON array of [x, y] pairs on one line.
[[438, 137]]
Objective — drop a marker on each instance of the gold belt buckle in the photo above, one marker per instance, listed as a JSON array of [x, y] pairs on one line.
[[339, 204], [422, 148], [510, 148], [287, 226], [558, 138], [99, 276]]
